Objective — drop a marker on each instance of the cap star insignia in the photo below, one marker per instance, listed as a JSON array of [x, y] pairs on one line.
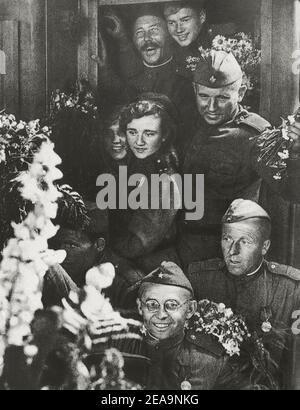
[[160, 275], [212, 79]]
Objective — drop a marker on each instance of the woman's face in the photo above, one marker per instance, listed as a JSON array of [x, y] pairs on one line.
[[144, 135], [115, 142]]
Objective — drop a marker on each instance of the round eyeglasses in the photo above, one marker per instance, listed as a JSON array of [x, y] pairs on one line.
[[153, 306]]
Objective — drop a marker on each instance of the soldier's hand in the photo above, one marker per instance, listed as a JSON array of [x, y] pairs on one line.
[[294, 134], [114, 26], [101, 59], [226, 132]]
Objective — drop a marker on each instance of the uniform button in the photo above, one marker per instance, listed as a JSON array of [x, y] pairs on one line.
[[158, 161], [193, 337], [116, 266], [273, 266]]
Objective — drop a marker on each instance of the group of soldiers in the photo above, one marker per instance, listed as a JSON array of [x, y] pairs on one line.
[[171, 121]]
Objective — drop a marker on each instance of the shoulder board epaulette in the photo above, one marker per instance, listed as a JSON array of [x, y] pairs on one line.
[[284, 270], [205, 342], [211, 264], [253, 120]]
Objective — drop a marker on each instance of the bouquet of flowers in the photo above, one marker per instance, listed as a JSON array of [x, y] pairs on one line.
[[19, 142], [26, 257], [242, 46], [74, 120], [251, 364], [79, 99], [216, 320], [274, 147]]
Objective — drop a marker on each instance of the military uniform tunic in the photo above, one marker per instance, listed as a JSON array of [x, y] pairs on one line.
[[196, 362], [271, 294], [231, 170]]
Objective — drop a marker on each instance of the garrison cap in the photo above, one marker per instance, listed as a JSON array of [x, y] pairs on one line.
[[143, 10], [218, 69], [168, 273], [242, 210]]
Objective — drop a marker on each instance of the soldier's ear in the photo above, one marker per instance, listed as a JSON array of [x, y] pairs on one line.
[[139, 305], [192, 307], [266, 247], [100, 244], [242, 92]]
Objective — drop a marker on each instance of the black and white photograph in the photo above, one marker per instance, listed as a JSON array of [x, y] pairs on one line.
[[149, 197]]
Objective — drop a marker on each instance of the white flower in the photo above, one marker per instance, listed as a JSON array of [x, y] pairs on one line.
[[9, 265], [284, 154], [222, 307], [21, 231], [17, 334], [101, 277], [219, 42], [228, 313], [285, 134], [21, 125], [231, 347], [31, 350]]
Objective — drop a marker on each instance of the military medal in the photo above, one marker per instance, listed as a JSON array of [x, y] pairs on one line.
[[266, 315], [186, 385]]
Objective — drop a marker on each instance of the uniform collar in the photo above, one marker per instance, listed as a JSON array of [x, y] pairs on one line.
[[159, 65], [164, 344], [246, 278]]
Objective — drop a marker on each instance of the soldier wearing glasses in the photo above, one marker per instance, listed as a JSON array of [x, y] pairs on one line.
[[179, 359]]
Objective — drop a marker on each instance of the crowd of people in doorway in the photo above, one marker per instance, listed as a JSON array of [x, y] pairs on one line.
[[161, 119]]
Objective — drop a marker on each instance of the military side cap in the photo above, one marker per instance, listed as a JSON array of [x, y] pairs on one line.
[[168, 273], [242, 209], [219, 69], [143, 10]]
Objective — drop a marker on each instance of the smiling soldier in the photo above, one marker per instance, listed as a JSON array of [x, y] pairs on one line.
[[265, 293], [225, 149], [186, 21], [179, 359]]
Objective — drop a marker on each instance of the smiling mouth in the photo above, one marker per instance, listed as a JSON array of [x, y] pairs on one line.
[[118, 148], [161, 326], [183, 37], [151, 49], [212, 115], [140, 150]]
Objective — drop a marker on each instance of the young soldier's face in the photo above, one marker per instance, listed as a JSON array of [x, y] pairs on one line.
[[184, 24], [115, 142], [151, 38], [144, 135], [81, 252], [218, 105], [165, 310], [243, 247]]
